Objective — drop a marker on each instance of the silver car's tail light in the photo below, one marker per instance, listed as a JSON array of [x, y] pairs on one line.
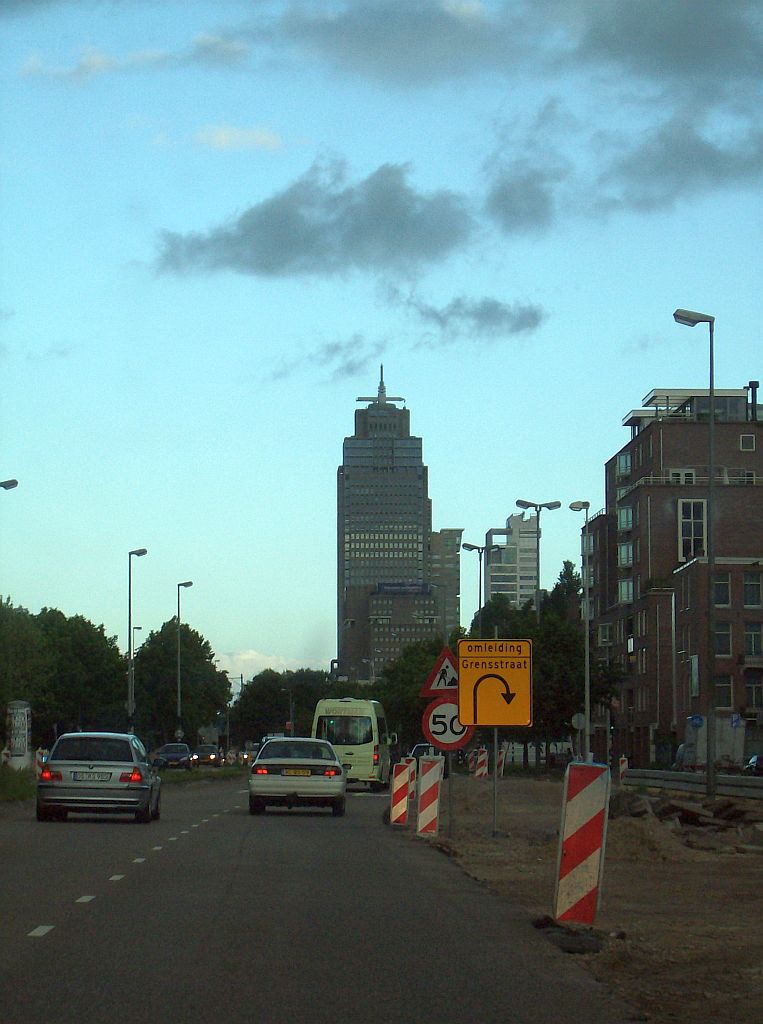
[[46, 775], [134, 776]]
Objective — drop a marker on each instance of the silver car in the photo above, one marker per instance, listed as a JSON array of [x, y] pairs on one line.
[[293, 772], [98, 773]]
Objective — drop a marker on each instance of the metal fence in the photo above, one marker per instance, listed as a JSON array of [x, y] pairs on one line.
[[745, 786]]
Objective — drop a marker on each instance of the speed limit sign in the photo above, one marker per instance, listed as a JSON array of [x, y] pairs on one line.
[[441, 725]]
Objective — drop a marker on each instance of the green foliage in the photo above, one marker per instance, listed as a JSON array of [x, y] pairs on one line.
[[15, 785], [263, 706], [399, 686]]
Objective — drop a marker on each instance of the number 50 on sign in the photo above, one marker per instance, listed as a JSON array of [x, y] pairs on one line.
[[441, 726]]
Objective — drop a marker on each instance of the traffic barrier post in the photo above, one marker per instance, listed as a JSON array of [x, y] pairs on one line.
[[398, 811], [583, 834], [428, 812], [481, 771], [622, 767], [411, 763], [502, 758]]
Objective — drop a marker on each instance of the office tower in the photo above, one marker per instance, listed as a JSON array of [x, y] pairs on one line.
[[387, 596], [511, 559]]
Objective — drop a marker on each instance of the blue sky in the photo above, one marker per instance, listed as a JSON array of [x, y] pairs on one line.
[[219, 218]]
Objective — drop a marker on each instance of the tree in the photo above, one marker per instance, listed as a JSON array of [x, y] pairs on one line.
[[263, 706]]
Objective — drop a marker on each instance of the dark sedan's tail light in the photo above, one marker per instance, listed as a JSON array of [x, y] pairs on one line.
[[259, 770], [46, 775], [133, 776]]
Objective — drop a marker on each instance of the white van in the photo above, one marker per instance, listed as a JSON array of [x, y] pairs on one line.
[[357, 729]]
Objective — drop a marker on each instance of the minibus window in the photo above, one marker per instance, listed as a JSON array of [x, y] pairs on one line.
[[345, 730]]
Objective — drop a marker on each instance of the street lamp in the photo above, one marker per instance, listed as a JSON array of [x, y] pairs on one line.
[[8, 485], [179, 730], [480, 549], [537, 505], [689, 318], [137, 553], [583, 506], [135, 629]]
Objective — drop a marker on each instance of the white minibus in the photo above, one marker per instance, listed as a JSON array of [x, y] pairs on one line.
[[357, 729]]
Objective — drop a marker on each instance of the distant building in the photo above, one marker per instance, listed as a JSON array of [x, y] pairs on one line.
[[397, 581], [511, 560], [647, 568]]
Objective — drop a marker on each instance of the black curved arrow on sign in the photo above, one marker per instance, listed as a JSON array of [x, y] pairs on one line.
[[507, 695]]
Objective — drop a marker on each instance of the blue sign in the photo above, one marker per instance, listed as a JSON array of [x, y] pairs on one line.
[[697, 721]]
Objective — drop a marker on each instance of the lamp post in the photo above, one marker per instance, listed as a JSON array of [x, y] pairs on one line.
[[689, 318], [537, 505], [583, 506], [290, 691], [179, 730], [480, 549], [135, 629], [8, 485], [137, 553]]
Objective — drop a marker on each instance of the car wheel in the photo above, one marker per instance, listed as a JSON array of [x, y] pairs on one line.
[[157, 811], [337, 808], [43, 813], [256, 806], [143, 816]]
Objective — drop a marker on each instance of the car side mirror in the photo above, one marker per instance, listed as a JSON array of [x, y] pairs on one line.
[[392, 738]]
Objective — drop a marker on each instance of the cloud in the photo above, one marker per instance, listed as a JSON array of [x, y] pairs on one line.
[[324, 226], [229, 137], [677, 160], [342, 358], [477, 318], [521, 199], [215, 51]]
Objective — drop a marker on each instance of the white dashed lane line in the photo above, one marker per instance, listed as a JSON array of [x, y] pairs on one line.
[[43, 929], [139, 860], [85, 899], [116, 878]]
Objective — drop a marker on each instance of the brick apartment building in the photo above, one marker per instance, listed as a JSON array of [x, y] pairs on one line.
[[647, 570]]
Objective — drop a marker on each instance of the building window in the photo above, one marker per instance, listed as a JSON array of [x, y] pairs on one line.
[[747, 442], [691, 529], [723, 639], [625, 591], [625, 554], [625, 518], [681, 476], [723, 692], [722, 589], [752, 590], [752, 639], [605, 634], [754, 690], [624, 464]]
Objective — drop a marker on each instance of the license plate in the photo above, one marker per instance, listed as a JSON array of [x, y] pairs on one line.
[[296, 771], [91, 776]]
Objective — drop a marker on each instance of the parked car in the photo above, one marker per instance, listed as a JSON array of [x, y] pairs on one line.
[[207, 754], [754, 766], [297, 771], [173, 755], [98, 773]]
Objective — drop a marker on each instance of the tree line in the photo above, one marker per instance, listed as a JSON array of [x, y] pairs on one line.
[[75, 677]]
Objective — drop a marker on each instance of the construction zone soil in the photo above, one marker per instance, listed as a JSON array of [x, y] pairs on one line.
[[679, 930]]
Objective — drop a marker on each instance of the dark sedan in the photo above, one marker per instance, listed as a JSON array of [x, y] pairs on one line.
[[207, 754], [173, 755]]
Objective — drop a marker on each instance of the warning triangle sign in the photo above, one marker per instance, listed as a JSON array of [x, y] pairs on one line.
[[443, 677]]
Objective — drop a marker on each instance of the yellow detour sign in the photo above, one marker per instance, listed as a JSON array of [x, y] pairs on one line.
[[495, 682]]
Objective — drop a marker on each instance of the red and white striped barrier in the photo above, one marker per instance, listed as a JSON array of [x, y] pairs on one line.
[[503, 750], [398, 810], [411, 763], [39, 760], [480, 772], [472, 761], [582, 840], [622, 767], [428, 816]]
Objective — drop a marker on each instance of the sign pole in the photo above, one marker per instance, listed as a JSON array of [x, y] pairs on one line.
[[450, 792], [495, 781]]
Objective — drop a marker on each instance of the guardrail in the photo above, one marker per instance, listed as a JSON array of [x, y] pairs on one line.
[[744, 786]]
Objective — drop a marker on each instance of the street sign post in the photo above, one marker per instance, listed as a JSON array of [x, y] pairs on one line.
[[495, 682]]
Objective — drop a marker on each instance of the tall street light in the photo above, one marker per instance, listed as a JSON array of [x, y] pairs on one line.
[[689, 318], [537, 505], [179, 730], [583, 506], [136, 553], [135, 629], [480, 549]]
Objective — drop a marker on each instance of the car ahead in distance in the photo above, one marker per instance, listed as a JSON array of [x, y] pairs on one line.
[[174, 755], [427, 750], [297, 771], [206, 754], [98, 773], [754, 765]]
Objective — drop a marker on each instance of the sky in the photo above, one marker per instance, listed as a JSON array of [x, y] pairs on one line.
[[219, 217]]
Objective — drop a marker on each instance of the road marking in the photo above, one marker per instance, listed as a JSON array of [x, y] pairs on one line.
[[85, 899], [194, 826], [173, 839], [205, 819], [43, 929], [116, 878], [142, 860], [184, 832], [156, 847]]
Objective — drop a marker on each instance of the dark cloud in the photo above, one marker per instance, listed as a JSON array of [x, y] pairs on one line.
[[405, 42], [521, 199], [677, 160], [341, 358], [323, 226], [471, 318]]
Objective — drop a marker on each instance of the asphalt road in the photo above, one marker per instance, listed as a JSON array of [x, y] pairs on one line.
[[211, 914]]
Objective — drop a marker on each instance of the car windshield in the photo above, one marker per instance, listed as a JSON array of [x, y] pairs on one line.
[[345, 730], [175, 748], [91, 748], [296, 751]]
